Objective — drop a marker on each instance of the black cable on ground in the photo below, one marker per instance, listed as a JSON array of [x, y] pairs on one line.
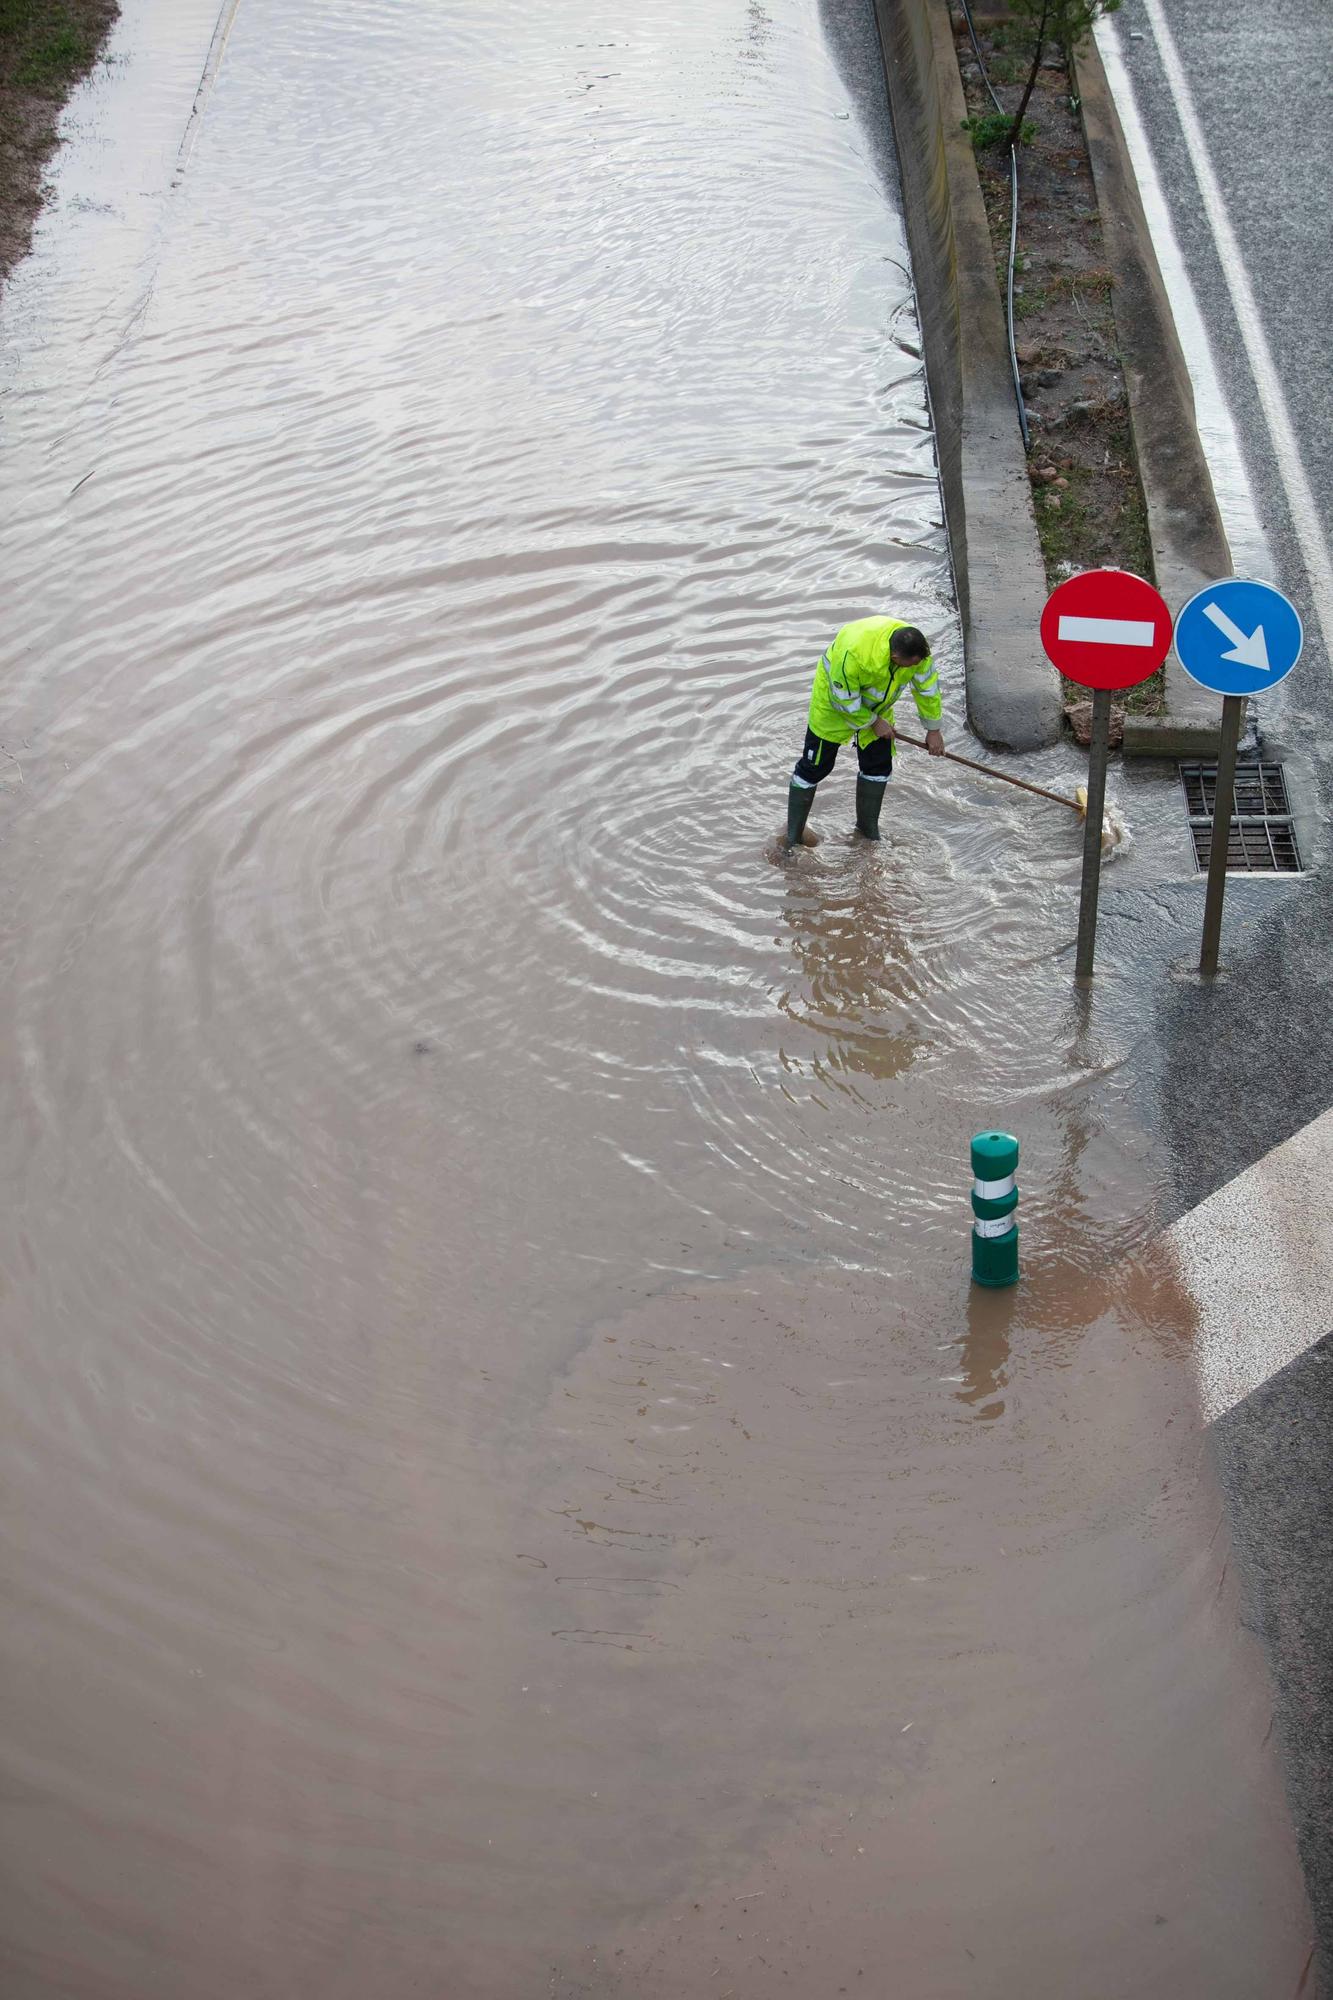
[[1013, 233]]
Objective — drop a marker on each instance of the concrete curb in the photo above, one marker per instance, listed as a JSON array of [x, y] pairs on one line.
[[1189, 543], [1013, 693]]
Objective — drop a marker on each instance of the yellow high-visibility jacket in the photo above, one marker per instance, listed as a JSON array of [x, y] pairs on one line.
[[855, 682]]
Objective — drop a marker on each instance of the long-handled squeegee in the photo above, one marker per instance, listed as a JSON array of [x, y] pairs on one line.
[[1113, 829]]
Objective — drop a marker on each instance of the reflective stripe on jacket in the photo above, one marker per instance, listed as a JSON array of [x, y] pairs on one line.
[[855, 682]]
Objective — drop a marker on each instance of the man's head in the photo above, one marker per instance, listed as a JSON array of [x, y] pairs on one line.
[[908, 647]]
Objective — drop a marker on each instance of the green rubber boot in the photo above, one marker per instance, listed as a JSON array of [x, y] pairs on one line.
[[800, 798], [869, 800]]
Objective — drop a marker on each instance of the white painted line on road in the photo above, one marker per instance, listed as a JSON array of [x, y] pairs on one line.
[[1257, 1259], [1291, 470], [1108, 631], [1250, 552], [226, 21]]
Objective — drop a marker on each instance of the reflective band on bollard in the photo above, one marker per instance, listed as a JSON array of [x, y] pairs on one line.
[[994, 1205]]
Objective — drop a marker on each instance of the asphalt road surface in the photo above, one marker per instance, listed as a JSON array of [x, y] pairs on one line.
[[1235, 107]]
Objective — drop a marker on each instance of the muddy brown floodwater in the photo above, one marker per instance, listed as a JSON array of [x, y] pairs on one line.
[[508, 1492]]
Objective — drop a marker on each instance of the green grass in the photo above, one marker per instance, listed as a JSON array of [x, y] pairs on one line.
[[1032, 298], [1075, 536], [992, 128], [44, 48], [1089, 531], [1093, 286], [1063, 530]]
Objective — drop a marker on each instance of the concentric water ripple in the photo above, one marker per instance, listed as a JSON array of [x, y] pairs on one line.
[[412, 608]]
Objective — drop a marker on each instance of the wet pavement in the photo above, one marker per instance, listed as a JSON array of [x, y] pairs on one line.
[[508, 1485], [1248, 1066]]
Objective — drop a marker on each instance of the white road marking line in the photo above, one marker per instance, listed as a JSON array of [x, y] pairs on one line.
[[1291, 470], [226, 21], [1108, 631], [1250, 553], [1257, 1259]]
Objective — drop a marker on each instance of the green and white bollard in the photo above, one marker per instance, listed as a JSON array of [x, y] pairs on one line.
[[994, 1202]]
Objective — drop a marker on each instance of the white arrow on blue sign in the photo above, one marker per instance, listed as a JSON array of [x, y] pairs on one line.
[[1238, 637]]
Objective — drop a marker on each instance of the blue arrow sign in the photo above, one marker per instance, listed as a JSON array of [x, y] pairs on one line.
[[1238, 637]]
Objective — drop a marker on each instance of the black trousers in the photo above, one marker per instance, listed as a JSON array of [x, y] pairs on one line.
[[819, 756]]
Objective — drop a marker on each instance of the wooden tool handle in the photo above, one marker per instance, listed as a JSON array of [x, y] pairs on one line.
[[989, 771]]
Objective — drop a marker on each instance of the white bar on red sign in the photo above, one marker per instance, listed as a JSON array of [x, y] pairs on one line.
[[1108, 631]]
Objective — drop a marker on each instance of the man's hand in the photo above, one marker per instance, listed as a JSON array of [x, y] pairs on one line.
[[879, 727], [934, 742]]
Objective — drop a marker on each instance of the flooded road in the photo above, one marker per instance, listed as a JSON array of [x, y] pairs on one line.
[[503, 1463]]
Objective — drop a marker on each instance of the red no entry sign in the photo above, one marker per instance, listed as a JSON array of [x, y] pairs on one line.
[[1106, 628]]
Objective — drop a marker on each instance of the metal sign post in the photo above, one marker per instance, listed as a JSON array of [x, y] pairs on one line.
[[1105, 629], [1237, 638], [1092, 833], [1233, 707]]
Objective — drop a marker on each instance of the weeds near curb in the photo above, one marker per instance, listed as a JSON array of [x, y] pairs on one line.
[[990, 128]]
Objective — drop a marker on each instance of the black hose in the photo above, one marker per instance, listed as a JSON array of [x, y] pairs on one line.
[[1009, 299], [976, 50]]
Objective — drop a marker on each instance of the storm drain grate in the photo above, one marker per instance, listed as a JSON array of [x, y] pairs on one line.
[[1262, 839]]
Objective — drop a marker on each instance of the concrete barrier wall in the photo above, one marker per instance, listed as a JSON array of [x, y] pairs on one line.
[[1013, 693], [906, 39]]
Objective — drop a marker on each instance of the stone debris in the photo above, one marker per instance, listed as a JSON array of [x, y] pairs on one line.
[[1078, 715]]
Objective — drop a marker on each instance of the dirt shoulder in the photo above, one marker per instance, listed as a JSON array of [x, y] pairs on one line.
[[1086, 490], [46, 47]]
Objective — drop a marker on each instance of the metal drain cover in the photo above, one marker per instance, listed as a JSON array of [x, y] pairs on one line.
[[1262, 838]]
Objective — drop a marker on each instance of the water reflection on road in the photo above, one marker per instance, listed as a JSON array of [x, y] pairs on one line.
[[497, 1453]]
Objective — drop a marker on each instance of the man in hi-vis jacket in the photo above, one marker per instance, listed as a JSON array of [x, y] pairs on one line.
[[869, 664]]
